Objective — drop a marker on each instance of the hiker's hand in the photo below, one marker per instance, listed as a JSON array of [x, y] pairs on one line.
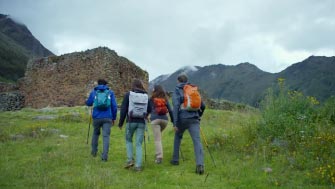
[[175, 128], [113, 122]]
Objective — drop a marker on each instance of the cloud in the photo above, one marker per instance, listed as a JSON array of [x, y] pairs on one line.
[[163, 36]]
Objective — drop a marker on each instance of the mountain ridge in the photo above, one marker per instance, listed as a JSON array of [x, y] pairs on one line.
[[246, 83]]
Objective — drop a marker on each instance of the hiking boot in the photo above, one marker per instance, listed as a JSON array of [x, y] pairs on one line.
[[138, 169], [199, 169], [104, 159], [94, 154], [174, 162], [159, 160], [129, 164]]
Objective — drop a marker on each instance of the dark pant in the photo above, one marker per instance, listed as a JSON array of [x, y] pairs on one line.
[[105, 124], [193, 127]]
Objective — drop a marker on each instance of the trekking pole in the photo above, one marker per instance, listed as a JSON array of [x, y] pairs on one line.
[[145, 149], [181, 154], [89, 126], [145, 146], [203, 136]]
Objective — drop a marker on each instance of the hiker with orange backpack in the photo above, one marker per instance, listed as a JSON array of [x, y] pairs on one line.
[[160, 106], [187, 111]]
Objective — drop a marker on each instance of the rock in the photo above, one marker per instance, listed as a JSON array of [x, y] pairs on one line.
[[45, 117], [267, 170], [10, 101]]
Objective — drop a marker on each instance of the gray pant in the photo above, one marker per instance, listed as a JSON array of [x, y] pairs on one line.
[[105, 124], [193, 127]]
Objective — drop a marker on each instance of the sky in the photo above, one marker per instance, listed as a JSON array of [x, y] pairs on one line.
[[164, 36]]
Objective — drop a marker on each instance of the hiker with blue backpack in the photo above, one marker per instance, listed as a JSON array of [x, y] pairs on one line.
[[187, 111], [104, 115], [135, 110]]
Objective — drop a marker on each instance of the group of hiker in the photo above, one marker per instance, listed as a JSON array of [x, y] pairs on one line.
[[137, 109]]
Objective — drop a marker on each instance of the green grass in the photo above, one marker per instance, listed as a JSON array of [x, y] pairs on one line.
[[34, 155]]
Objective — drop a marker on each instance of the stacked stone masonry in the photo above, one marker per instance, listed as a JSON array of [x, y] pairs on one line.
[[10, 101], [66, 80]]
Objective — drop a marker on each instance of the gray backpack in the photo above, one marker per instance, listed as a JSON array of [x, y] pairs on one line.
[[138, 104]]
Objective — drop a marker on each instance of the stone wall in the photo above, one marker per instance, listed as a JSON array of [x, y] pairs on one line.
[[10, 101], [66, 80], [10, 97], [8, 87]]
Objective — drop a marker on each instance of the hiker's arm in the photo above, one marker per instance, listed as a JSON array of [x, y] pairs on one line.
[[202, 108], [124, 109], [149, 108], [113, 106], [176, 105], [90, 99], [170, 111]]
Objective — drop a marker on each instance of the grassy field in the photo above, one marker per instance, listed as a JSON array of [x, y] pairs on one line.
[[47, 148]]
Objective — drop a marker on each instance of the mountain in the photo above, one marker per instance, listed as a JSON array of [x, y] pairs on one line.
[[314, 76], [245, 83], [17, 46]]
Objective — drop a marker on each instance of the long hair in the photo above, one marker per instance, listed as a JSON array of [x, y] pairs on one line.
[[137, 85], [159, 92]]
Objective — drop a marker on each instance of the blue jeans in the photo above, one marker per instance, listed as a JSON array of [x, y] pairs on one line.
[[131, 128], [105, 124], [193, 127]]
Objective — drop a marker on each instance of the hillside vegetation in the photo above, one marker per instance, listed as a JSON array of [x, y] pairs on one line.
[[17, 46], [13, 59], [289, 143]]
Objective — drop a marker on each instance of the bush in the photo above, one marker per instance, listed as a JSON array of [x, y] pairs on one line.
[[302, 129], [287, 115]]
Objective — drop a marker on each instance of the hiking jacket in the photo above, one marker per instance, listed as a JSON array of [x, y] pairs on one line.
[[124, 110], [154, 115], [177, 100], [99, 114]]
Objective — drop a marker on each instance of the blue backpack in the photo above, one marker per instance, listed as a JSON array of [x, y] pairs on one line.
[[102, 99]]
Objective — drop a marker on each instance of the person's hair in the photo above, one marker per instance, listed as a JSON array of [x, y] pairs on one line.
[[182, 78], [158, 92], [137, 84], [102, 82]]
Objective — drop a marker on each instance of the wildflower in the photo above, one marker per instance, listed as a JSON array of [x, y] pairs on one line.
[[313, 100], [301, 117], [281, 81]]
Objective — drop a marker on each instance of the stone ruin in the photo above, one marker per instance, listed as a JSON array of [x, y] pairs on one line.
[[66, 80], [10, 97]]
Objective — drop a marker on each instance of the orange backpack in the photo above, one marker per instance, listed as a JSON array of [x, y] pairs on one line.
[[160, 106], [192, 98]]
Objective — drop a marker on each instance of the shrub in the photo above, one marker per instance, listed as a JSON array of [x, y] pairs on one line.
[[302, 129], [287, 115]]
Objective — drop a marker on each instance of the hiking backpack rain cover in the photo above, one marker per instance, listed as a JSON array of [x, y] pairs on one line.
[[160, 106], [138, 104], [192, 98], [102, 99]]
